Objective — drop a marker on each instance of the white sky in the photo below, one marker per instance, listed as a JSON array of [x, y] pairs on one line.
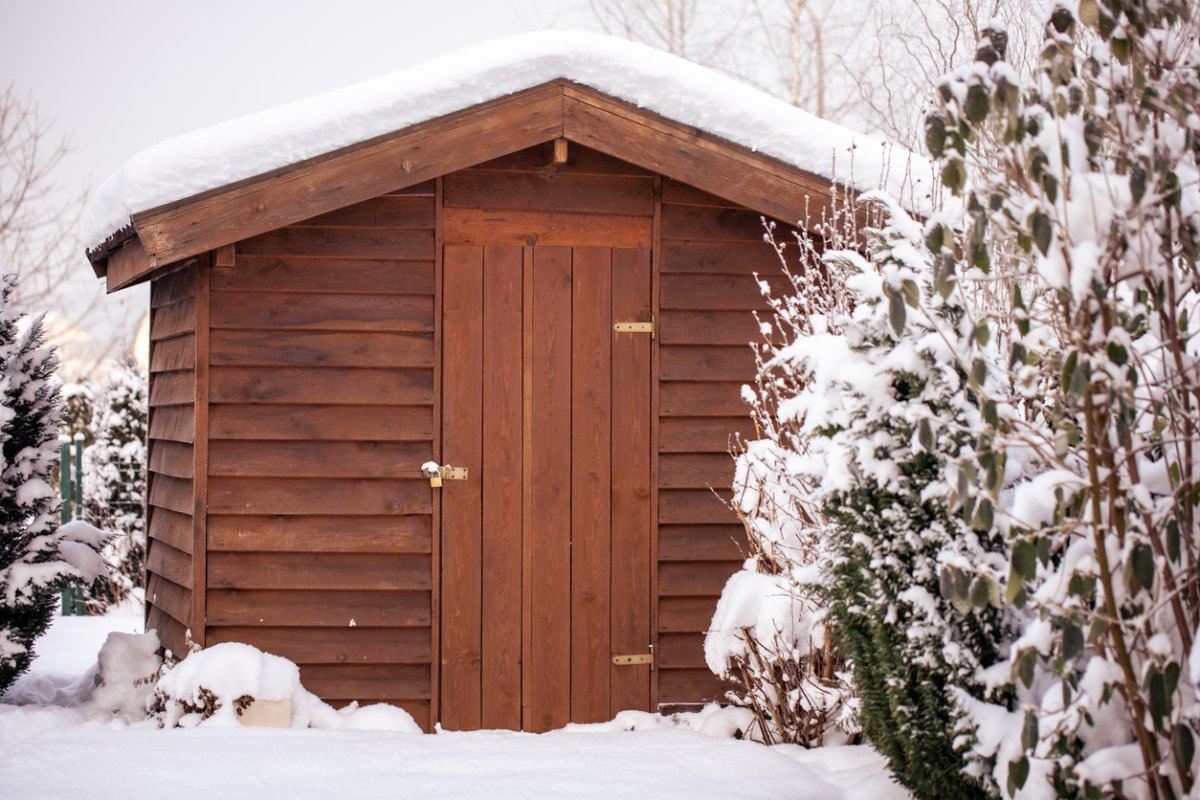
[[119, 76]]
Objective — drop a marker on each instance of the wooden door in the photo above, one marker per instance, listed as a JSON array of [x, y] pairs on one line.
[[546, 545]]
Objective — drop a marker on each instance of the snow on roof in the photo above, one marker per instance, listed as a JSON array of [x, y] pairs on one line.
[[677, 89]]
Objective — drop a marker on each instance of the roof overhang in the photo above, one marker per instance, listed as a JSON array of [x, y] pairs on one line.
[[179, 230]]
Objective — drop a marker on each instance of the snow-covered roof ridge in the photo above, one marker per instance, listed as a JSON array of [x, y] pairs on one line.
[[685, 92]]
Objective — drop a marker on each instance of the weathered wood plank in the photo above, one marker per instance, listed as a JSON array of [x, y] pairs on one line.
[[341, 645], [172, 634], [690, 686], [365, 243], [685, 614], [701, 399], [171, 527], [680, 650], [171, 458], [127, 265], [172, 388], [695, 506], [173, 423], [321, 423], [368, 387], [727, 258], [409, 681], [335, 312], [172, 493], [694, 578], [720, 292], [475, 226], [550, 191], [580, 161], [318, 459], [173, 354], [703, 434], [709, 224], [702, 363], [678, 192], [335, 533], [327, 572], [173, 287], [709, 328], [325, 275], [173, 320], [174, 565], [169, 596], [307, 496], [695, 470], [336, 609], [389, 211], [321, 349], [702, 542]]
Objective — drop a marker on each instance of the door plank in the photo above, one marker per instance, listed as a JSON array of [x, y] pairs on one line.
[[501, 478], [631, 523], [462, 435], [550, 514], [591, 482]]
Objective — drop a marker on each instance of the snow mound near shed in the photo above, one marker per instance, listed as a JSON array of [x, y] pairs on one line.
[[677, 89]]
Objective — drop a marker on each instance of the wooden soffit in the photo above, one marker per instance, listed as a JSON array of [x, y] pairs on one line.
[[185, 228]]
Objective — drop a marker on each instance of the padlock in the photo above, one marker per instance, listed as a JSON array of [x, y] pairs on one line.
[[435, 480], [431, 470]]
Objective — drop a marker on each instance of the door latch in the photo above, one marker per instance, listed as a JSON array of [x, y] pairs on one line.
[[437, 473]]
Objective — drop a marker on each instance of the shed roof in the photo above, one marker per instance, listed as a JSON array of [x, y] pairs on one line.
[[216, 185]]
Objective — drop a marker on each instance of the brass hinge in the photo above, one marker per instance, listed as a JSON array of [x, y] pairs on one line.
[[634, 327], [636, 658]]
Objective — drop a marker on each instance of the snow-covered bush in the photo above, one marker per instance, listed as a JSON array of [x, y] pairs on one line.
[[36, 556], [79, 403], [114, 483], [1092, 169], [128, 667]]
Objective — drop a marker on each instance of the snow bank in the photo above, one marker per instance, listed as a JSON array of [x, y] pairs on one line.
[[675, 88], [712, 720], [128, 664]]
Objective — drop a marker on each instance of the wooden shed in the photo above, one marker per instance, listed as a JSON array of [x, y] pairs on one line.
[[550, 291]]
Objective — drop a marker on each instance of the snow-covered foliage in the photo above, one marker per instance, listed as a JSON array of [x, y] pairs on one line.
[[114, 482], [36, 556], [128, 666], [1092, 169]]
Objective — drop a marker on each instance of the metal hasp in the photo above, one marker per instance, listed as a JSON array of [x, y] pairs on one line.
[[634, 327], [450, 473], [437, 474], [637, 658]]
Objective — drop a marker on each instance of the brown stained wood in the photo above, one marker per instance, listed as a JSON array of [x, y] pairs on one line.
[[462, 440], [677, 192], [224, 256], [559, 152], [348, 176], [690, 686], [550, 526], [325, 608], [695, 506], [703, 434], [696, 399], [694, 578], [655, 356], [702, 542], [632, 492], [702, 363], [171, 458], [321, 349], [726, 258], [173, 423], [692, 156], [591, 482], [720, 292], [422, 189], [318, 459], [389, 211], [435, 632], [325, 242], [128, 265], [580, 161], [333, 533], [172, 598], [550, 191], [709, 328], [200, 450], [367, 387], [173, 320], [172, 389], [173, 287], [321, 423], [174, 565], [328, 572], [306, 311], [174, 354], [708, 224], [306, 496], [171, 527], [502, 468], [398, 681], [172, 493], [325, 276], [547, 228], [695, 470], [341, 645], [171, 634], [681, 651], [685, 614], [527, 423]]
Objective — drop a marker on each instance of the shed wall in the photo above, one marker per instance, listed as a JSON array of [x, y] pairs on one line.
[[169, 567]]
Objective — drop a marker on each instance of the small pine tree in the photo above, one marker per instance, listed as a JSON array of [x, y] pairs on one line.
[[115, 483], [79, 402], [31, 545]]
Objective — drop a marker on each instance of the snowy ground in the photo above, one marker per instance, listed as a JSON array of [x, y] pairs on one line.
[[51, 748]]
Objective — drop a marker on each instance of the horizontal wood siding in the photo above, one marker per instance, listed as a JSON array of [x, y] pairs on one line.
[[171, 457], [321, 396], [711, 251]]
